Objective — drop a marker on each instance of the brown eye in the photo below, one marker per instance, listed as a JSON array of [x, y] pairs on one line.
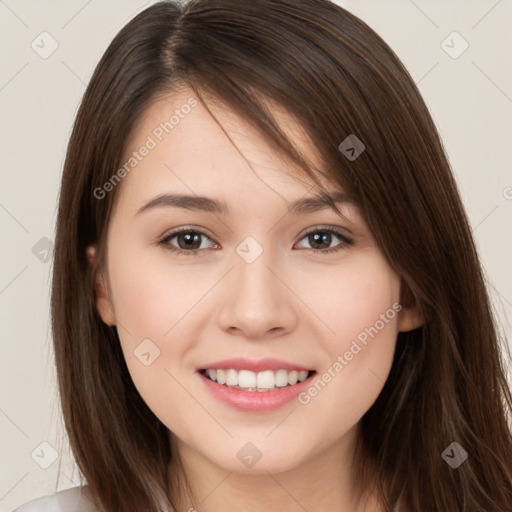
[[188, 241], [320, 240]]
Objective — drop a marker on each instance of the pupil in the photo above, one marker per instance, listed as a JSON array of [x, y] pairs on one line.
[[321, 238], [190, 240]]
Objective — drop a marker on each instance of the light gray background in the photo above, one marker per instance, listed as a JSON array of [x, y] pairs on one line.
[[470, 98]]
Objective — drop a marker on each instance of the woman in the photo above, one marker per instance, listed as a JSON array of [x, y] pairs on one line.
[[330, 345]]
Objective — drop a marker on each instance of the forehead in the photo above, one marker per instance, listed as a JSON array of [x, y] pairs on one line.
[[177, 145]]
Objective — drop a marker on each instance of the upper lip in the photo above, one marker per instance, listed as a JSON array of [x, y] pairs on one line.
[[268, 363]]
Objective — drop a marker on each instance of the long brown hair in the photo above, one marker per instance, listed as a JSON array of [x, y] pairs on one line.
[[338, 78]]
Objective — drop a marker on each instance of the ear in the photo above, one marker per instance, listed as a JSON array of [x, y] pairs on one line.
[[410, 317], [103, 303]]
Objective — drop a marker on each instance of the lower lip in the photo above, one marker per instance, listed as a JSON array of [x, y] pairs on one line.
[[256, 401]]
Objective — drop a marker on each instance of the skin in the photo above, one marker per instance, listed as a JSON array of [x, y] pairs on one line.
[[290, 303]]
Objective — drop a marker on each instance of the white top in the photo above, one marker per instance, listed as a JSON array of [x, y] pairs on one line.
[[76, 499]]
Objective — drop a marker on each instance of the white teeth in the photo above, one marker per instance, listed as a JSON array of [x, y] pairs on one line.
[[303, 375], [266, 380], [221, 376], [231, 378], [246, 379], [251, 381], [281, 378], [293, 377]]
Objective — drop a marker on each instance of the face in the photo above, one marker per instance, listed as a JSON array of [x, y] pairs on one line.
[[283, 293]]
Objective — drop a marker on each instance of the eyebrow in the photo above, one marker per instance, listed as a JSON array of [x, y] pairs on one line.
[[206, 204]]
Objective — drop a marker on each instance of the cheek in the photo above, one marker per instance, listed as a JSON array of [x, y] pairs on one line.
[[151, 298], [351, 298], [153, 304], [164, 303], [361, 313], [350, 382]]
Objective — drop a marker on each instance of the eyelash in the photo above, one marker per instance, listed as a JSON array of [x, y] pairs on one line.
[[164, 242]]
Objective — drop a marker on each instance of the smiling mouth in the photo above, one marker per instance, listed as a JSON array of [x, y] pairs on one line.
[[246, 380]]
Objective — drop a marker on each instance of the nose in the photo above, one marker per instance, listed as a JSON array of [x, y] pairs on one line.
[[258, 302]]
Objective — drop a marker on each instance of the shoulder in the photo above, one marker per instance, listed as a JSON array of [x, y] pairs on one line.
[[76, 499]]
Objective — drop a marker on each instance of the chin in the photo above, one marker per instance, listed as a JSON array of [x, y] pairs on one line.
[[250, 460]]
